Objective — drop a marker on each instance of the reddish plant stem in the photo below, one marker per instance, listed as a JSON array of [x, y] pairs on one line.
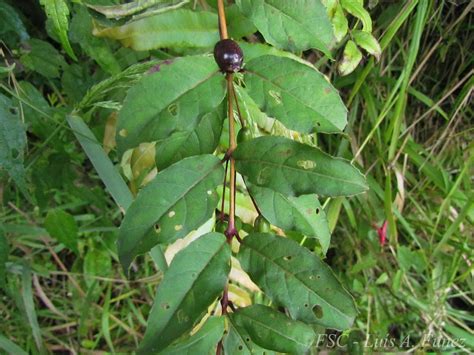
[[231, 231], [221, 217]]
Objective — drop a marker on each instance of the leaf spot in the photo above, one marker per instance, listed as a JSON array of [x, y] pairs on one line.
[[287, 258], [173, 109], [264, 175], [306, 164], [171, 214], [178, 227], [165, 306], [240, 347], [157, 228], [123, 133], [276, 96], [318, 311], [318, 210], [209, 192]]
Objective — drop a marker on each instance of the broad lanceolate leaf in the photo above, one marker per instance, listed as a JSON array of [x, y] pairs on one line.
[[295, 169], [202, 140], [303, 214], [173, 99], [12, 143], [203, 342], [62, 227], [193, 281], [299, 96], [58, 12], [291, 25], [273, 330], [297, 279], [351, 58], [178, 28], [177, 201]]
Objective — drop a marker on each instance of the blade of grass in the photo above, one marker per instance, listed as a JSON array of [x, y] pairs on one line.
[[105, 168]]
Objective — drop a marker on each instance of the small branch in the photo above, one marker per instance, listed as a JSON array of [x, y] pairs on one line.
[[241, 119], [223, 191]]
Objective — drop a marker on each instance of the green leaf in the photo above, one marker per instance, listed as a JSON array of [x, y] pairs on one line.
[[297, 279], [203, 342], [340, 23], [43, 58], [12, 143], [356, 9], [58, 12], [291, 25], [178, 29], [202, 140], [273, 330], [303, 214], [193, 281], [177, 201], [105, 168], [237, 24], [28, 306], [96, 48], [10, 347], [368, 42], [238, 341], [97, 262], [350, 60], [11, 25], [62, 227], [300, 97], [294, 169], [4, 252], [173, 99]]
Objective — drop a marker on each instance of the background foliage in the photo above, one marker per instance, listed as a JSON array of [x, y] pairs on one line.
[[408, 128]]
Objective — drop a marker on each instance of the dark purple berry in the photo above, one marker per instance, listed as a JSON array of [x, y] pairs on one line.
[[228, 55]]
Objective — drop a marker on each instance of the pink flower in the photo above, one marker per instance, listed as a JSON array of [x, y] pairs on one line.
[[382, 232]]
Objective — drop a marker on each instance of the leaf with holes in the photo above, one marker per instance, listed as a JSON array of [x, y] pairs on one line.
[[238, 341], [303, 214], [294, 169], [203, 342], [178, 29], [273, 330], [300, 97], [193, 281], [172, 99], [178, 200], [291, 25], [297, 279], [202, 140]]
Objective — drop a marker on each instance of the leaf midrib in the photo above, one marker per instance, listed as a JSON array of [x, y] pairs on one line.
[[301, 171], [212, 257]]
